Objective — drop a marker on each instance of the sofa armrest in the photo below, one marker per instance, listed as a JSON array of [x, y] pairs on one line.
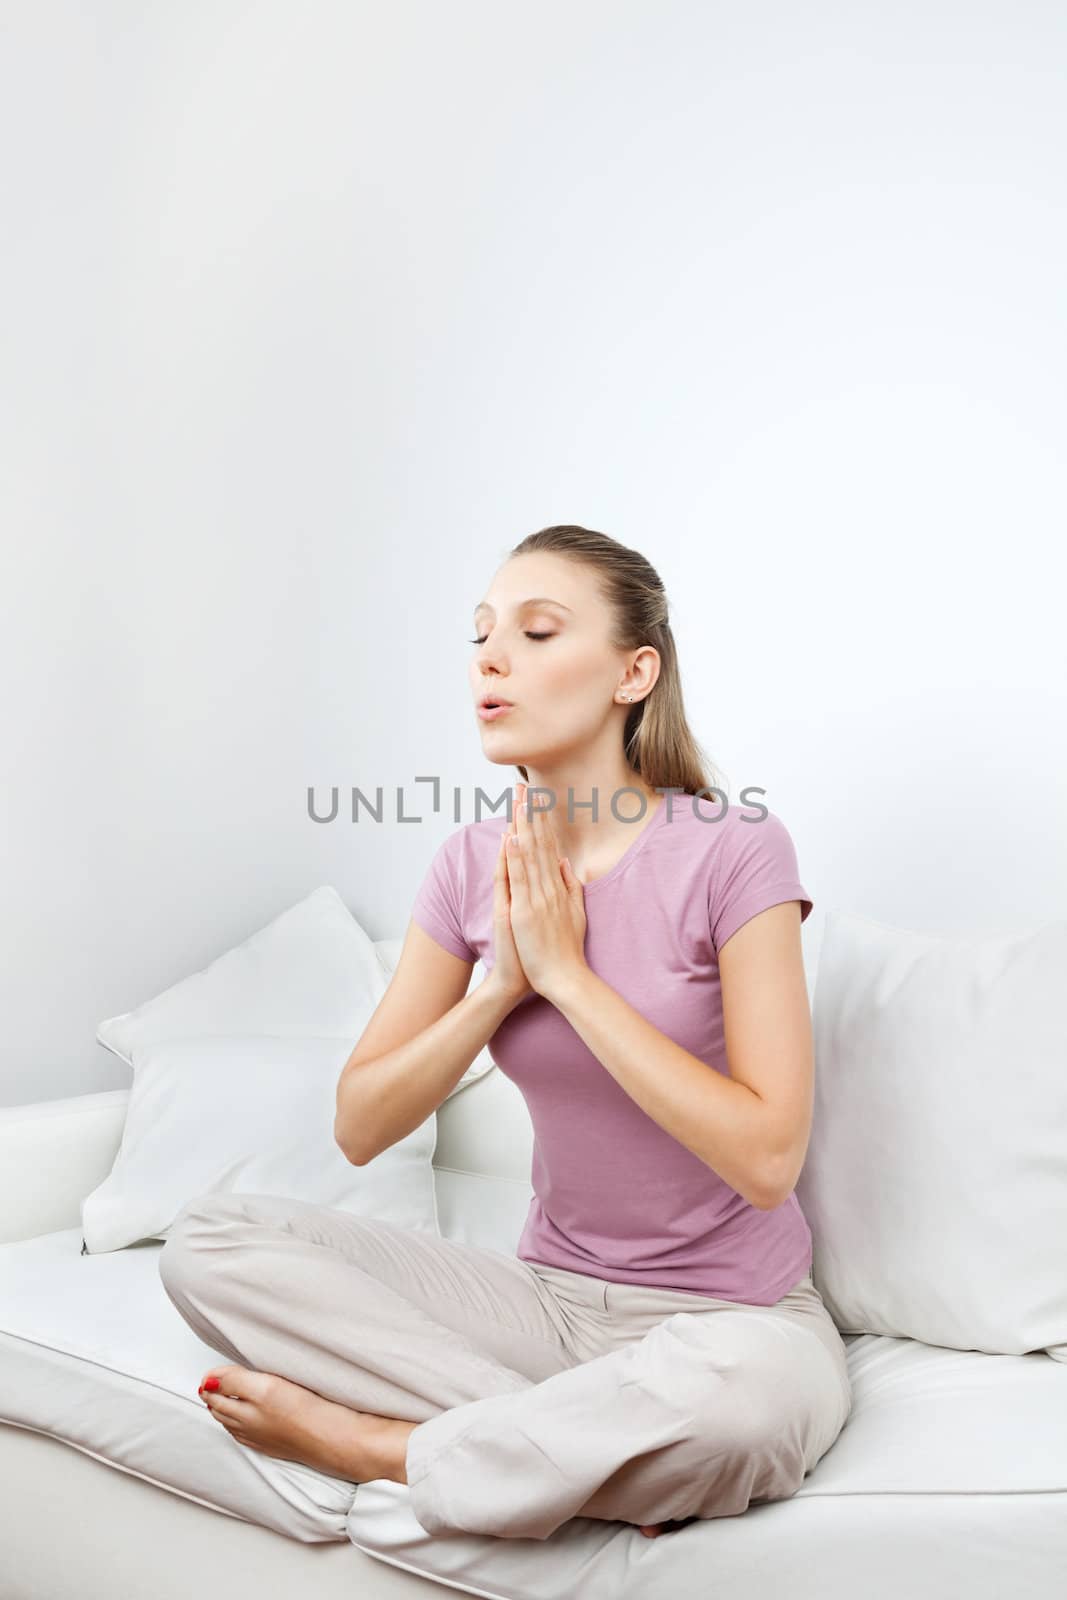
[[52, 1154]]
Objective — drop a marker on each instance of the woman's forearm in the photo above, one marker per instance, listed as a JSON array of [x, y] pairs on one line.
[[720, 1120], [381, 1101]]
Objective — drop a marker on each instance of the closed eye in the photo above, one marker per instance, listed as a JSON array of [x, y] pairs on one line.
[[528, 635]]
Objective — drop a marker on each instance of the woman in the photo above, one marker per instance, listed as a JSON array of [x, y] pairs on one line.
[[656, 1349]]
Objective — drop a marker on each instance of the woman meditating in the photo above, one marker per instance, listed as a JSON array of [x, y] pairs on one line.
[[655, 1350]]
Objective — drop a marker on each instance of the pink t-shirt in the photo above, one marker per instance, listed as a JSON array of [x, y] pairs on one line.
[[615, 1195]]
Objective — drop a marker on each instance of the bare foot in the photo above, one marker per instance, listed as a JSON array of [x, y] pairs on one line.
[[282, 1419]]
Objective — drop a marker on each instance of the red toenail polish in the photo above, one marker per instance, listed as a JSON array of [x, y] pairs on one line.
[[211, 1383]]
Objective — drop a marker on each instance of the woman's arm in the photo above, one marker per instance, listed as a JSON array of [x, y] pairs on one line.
[[751, 1128], [420, 1041]]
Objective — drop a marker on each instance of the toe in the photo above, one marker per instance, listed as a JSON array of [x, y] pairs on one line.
[[219, 1379]]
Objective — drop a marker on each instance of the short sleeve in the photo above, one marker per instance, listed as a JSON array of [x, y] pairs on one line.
[[438, 907], [757, 869]]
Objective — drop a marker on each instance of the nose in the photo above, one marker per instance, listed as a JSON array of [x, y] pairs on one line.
[[488, 671]]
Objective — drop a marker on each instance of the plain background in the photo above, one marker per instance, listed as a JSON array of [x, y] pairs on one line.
[[310, 311]]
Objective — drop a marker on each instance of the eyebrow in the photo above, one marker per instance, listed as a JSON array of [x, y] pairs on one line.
[[523, 605]]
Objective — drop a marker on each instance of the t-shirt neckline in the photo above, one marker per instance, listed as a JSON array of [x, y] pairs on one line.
[[630, 851]]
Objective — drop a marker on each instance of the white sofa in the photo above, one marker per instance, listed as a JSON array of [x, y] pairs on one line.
[[949, 1478]]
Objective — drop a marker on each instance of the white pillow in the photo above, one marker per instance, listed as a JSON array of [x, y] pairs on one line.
[[935, 1182], [310, 974], [311, 970], [389, 954], [250, 1115]]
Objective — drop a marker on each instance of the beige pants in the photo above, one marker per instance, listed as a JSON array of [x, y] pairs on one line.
[[541, 1394]]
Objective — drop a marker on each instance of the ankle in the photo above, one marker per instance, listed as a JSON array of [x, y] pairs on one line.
[[392, 1447]]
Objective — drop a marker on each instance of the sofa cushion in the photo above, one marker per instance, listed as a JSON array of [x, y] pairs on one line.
[[949, 1472], [935, 1181], [93, 1352], [251, 1115]]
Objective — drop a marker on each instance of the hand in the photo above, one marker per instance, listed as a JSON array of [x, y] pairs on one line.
[[507, 971], [547, 904]]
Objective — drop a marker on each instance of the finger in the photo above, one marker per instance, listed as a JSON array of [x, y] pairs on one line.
[[506, 867], [520, 854], [549, 846], [540, 872], [512, 829], [545, 852], [500, 872], [517, 884]]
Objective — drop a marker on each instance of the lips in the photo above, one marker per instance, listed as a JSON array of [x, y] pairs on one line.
[[489, 713], [489, 701]]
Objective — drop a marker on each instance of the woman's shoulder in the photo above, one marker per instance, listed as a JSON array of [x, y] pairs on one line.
[[714, 821], [715, 838], [752, 867]]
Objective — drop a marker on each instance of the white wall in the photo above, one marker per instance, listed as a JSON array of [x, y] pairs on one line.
[[310, 311]]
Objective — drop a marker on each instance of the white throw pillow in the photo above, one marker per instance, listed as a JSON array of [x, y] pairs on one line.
[[311, 970], [389, 954], [250, 1115], [311, 974], [935, 1182]]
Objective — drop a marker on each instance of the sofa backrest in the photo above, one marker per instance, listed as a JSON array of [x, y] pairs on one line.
[[486, 1129]]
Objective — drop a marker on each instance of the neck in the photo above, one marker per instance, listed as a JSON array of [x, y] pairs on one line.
[[593, 805]]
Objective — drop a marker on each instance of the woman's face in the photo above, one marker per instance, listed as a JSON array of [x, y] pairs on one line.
[[553, 662]]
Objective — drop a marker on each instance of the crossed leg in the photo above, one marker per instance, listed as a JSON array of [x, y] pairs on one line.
[[506, 1432]]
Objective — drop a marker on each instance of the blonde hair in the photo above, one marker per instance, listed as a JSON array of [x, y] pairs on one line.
[[658, 741]]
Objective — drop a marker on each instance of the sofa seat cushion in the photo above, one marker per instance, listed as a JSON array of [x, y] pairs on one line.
[[93, 1352], [950, 1473]]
